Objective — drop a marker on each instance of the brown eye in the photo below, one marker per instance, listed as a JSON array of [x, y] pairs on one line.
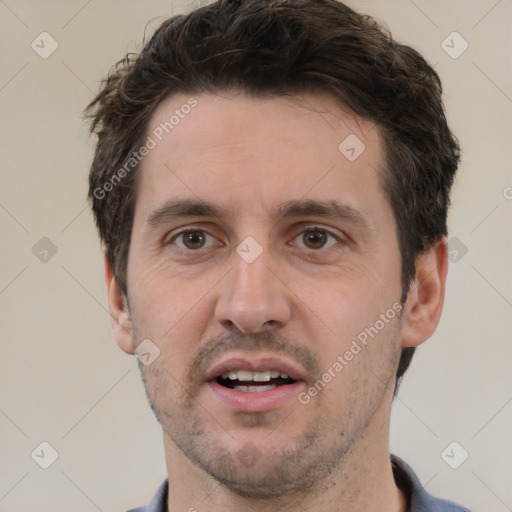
[[192, 240], [315, 239]]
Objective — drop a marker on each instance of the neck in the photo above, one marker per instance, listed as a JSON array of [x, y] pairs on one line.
[[362, 481]]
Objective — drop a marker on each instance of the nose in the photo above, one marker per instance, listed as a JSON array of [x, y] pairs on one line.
[[253, 298]]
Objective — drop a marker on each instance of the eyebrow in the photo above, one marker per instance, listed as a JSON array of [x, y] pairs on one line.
[[172, 210], [175, 209], [328, 209]]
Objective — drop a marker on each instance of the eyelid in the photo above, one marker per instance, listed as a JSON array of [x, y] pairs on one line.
[[168, 240], [312, 227], [186, 228]]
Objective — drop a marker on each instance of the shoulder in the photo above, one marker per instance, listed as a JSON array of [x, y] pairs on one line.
[[159, 501], [419, 499]]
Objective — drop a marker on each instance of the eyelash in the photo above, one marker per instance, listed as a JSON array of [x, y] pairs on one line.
[[305, 229], [322, 230]]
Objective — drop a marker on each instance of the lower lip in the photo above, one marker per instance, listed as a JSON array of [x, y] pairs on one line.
[[256, 401]]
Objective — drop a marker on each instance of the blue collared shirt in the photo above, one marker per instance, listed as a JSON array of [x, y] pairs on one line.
[[419, 500]]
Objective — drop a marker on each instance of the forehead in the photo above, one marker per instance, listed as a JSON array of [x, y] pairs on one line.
[[245, 151]]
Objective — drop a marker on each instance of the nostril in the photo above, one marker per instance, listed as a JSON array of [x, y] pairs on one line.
[[252, 311]]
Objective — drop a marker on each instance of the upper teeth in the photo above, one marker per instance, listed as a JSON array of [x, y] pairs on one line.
[[248, 376]]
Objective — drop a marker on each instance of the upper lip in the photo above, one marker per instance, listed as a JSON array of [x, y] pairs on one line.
[[253, 364]]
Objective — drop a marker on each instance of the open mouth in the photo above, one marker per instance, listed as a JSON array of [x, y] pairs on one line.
[[254, 383], [251, 382]]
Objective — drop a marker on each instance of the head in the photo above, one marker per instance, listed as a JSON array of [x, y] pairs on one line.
[[326, 72]]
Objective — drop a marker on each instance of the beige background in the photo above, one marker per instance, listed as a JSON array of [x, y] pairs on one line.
[[62, 378]]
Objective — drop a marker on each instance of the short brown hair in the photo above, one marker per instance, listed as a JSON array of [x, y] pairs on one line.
[[282, 47]]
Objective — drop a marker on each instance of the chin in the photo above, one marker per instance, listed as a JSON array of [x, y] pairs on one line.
[[263, 470]]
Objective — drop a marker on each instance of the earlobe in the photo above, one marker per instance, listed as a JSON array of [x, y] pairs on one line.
[[120, 316], [425, 300]]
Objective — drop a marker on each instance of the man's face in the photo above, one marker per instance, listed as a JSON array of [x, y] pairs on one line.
[[268, 277]]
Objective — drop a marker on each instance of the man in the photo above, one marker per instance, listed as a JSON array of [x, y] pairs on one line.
[[271, 185]]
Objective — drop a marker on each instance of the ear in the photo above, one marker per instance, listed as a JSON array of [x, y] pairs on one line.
[[120, 316], [424, 303]]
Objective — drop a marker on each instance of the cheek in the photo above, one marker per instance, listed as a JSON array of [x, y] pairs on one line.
[[345, 302], [357, 348], [176, 329], [357, 372], [164, 298]]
